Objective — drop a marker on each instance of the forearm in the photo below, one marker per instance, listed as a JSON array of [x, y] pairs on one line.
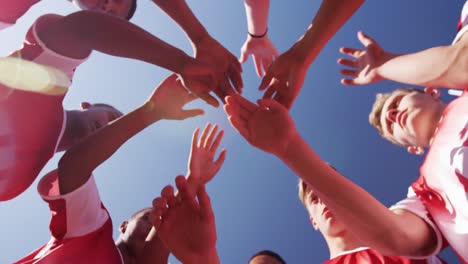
[[256, 12], [76, 35], [77, 164], [369, 220], [154, 252], [10, 12], [181, 13], [331, 16], [444, 66]]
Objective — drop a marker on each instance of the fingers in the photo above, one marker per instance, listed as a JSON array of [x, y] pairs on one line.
[[274, 88], [159, 209], [209, 139], [208, 99], [364, 39], [244, 103], [185, 192], [349, 63], [168, 194], [206, 209], [240, 125], [234, 74], [204, 135], [347, 72], [349, 82], [191, 113], [273, 105], [258, 66], [244, 56], [351, 52], [266, 80], [216, 142], [195, 139], [219, 162]]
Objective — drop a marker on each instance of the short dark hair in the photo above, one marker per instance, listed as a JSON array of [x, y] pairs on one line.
[[270, 253], [132, 10]]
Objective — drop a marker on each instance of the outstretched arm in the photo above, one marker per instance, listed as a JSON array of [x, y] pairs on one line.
[[443, 66], [287, 73], [77, 34], [269, 127], [77, 164], [258, 43], [206, 48]]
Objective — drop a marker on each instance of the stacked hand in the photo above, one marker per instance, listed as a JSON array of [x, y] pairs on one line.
[[228, 77], [263, 53], [168, 100], [267, 126], [284, 78]]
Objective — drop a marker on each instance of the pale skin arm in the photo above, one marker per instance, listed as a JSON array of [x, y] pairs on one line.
[[11, 12], [262, 49], [286, 74], [77, 164], [155, 252], [443, 66], [77, 34], [391, 233]]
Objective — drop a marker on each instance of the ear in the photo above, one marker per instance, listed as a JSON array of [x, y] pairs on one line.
[[85, 105], [415, 150], [123, 226], [314, 224], [433, 92]]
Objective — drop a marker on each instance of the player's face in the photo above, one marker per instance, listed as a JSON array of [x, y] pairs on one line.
[[98, 116], [120, 8], [137, 230], [411, 118], [264, 259], [321, 217]]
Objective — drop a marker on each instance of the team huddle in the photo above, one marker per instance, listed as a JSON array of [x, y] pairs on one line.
[[181, 221]]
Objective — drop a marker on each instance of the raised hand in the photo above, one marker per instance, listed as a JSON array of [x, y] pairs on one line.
[[266, 126], [186, 227], [229, 76], [168, 100], [364, 63], [263, 53], [201, 166], [284, 78]]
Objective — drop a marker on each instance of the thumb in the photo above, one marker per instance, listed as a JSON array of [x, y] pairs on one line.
[[364, 39], [244, 56], [204, 202], [191, 113], [270, 103]]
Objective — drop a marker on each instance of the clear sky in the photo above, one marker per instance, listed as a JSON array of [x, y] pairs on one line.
[[254, 195]]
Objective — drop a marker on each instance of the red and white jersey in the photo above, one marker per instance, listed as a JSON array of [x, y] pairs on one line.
[[443, 184], [81, 227], [31, 124], [369, 256], [463, 23], [11, 11]]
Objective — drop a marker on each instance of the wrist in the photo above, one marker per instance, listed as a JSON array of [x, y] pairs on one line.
[[380, 70], [288, 151], [258, 35], [150, 113], [200, 38]]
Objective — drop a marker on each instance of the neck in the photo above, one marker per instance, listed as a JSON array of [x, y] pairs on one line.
[[124, 251], [341, 243], [73, 130]]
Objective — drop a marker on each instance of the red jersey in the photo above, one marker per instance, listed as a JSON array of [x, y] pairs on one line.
[[31, 124], [81, 227], [10, 11], [370, 256]]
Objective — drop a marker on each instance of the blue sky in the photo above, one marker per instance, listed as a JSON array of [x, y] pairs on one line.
[[254, 195]]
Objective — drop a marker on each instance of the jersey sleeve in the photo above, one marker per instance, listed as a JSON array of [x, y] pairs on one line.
[[34, 49], [414, 205], [463, 23], [76, 213], [11, 11]]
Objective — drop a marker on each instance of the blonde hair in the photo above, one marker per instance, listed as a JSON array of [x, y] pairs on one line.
[[376, 112]]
